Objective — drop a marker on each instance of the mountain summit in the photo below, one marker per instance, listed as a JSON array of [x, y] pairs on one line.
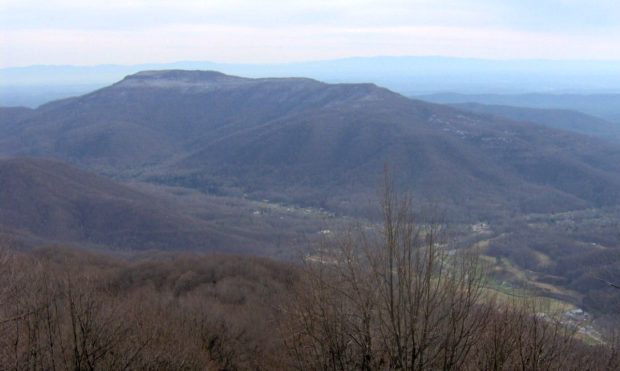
[[205, 81], [179, 79]]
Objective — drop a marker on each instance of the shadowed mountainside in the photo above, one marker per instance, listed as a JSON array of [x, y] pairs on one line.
[[43, 201], [9, 115]]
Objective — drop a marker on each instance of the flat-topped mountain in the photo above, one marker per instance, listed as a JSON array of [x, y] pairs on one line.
[[304, 141], [202, 81], [153, 116]]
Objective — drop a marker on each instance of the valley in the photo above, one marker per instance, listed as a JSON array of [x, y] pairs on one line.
[[203, 162], [309, 185]]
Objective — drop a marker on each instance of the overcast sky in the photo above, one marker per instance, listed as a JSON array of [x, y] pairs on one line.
[[87, 32]]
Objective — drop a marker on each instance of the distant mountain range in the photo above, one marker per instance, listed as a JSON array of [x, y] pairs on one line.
[[35, 85], [554, 118], [605, 106], [301, 141]]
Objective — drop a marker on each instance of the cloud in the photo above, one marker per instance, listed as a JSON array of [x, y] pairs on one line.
[[136, 31], [98, 14], [575, 16]]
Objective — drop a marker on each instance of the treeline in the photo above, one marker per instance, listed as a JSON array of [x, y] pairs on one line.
[[73, 310], [397, 299]]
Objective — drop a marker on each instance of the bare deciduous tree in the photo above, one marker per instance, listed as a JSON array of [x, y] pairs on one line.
[[396, 299]]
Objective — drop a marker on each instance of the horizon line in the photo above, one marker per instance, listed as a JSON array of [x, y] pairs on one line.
[[481, 59]]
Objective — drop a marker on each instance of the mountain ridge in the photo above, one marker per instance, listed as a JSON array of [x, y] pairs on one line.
[[559, 118], [48, 202], [602, 105], [325, 145]]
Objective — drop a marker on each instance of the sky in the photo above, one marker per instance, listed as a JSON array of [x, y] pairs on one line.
[[91, 32]]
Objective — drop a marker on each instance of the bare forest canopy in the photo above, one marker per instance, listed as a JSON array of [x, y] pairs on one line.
[[393, 300]]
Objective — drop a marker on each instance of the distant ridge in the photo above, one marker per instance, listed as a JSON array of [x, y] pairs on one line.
[[605, 106], [554, 118]]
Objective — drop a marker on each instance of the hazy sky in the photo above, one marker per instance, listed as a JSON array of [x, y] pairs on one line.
[[253, 31]]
